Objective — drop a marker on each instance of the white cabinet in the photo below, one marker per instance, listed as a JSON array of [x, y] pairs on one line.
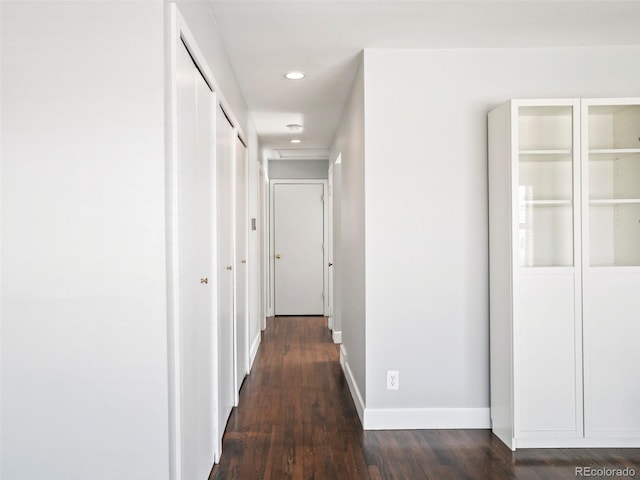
[[564, 203], [611, 267]]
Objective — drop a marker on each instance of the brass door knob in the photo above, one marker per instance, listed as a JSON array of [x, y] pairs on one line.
[[244, 262], [330, 264], [278, 255], [229, 267], [204, 280]]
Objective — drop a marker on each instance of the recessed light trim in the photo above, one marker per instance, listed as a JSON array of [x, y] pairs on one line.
[[295, 75], [295, 140], [294, 127]]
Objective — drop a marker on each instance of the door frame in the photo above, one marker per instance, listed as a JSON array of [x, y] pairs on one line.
[[325, 239]]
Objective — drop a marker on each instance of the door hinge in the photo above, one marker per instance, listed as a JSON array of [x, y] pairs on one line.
[[322, 295]]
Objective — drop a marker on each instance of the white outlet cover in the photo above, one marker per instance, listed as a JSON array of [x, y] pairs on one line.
[[393, 380]]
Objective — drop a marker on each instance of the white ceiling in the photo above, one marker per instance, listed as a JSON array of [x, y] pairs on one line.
[[264, 39]]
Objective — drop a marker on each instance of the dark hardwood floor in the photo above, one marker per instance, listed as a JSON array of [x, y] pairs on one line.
[[296, 420]]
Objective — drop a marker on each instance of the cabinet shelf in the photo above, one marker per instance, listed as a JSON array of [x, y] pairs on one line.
[[548, 203], [614, 201], [546, 152], [613, 153], [545, 155]]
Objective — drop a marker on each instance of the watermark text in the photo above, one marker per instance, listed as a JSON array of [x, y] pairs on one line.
[[600, 472]]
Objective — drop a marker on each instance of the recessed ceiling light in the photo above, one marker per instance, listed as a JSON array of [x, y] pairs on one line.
[[294, 127], [296, 140], [294, 75]]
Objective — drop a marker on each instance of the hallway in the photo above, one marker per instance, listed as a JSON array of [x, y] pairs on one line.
[[296, 420]]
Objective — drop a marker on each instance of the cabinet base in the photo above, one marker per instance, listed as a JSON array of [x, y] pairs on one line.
[[576, 443]]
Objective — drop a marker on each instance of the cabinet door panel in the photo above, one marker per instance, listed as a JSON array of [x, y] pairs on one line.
[[612, 356], [547, 181], [546, 370], [611, 150]]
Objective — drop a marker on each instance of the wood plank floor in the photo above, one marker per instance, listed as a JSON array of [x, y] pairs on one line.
[[296, 420]]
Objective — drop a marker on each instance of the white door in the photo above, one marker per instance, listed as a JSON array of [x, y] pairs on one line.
[[336, 186], [195, 122], [299, 248], [330, 229], [242, 279], [225, 226]]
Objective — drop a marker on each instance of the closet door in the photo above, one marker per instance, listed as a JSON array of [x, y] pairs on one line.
[[611, 264], [225, 232], [195, 103], [242, 253]]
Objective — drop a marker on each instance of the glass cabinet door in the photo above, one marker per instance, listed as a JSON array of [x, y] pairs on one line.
[[613, 164], [546, 186]]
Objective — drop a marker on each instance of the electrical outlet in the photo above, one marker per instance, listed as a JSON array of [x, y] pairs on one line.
[[393, 380]]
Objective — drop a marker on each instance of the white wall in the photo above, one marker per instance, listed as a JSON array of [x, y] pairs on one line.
[[255, 266], [350, 142], [426, 212], [84, 347], [298, 169], [263, 235], [256, 312]]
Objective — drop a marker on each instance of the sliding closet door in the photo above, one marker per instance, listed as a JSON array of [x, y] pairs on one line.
[[225, 230], [195, 121], [242, 281]]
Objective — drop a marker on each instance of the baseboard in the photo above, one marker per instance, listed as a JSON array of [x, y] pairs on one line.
[[337, 337], [353, 387], [412, 418], [254, 350], [426, 418]]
